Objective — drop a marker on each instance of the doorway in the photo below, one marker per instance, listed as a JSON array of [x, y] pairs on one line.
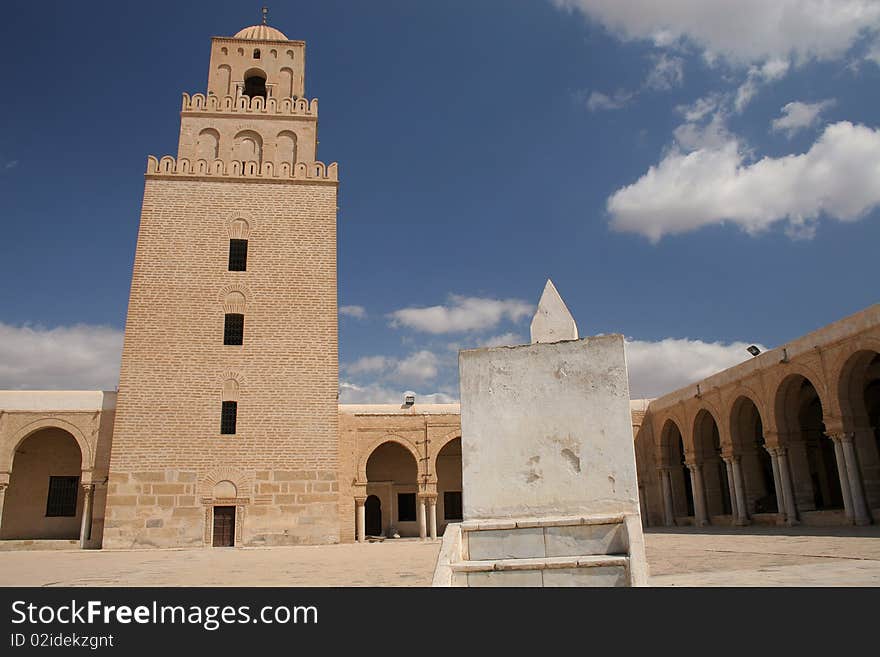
[[224, 526], [373, 512]]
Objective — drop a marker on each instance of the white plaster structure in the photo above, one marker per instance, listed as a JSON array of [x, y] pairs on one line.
[[552, 322], [548, 468]]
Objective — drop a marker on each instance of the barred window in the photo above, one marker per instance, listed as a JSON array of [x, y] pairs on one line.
[[228, 417], [238, 255], [406, 507], [452, 505], [233, 329], [61, 501]]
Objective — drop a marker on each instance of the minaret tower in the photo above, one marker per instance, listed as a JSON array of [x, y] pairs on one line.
[[227, 421]]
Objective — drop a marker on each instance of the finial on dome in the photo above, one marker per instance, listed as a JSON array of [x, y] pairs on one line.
[[265, 12]]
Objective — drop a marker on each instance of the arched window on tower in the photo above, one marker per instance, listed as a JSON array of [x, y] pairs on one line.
[[248, 147], [255, 83], [229, 407], [208, 146], [256, 53]]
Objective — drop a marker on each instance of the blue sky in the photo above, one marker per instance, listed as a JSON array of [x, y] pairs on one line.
[[697, 176]]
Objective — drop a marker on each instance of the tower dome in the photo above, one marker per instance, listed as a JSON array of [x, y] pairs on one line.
[[261, 33]]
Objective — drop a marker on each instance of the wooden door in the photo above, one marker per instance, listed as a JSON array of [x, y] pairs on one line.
[[224, 526]]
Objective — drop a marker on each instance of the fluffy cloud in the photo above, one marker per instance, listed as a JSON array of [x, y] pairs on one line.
[[838, 177], [598, 101], [358, 312], [656, 368], [78, 357], [418, 367], [350, 393], [504, 340], [462, 314], [770, 71], [743, 32], [668, 72], [798, 116]]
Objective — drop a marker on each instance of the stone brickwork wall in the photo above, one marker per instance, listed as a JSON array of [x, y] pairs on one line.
[[167, 445]]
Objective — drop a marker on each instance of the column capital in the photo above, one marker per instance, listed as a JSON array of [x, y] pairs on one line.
[[694, 466], [359, 501], [776, 450], [840, 436], [88, 486]]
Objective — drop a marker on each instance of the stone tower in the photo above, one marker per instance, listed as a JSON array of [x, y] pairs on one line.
[[227, 428]]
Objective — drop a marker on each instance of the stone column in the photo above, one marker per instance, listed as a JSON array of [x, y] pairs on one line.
[[423, 529], [731, 488], [3, 485], [668, 509], [701, 517], [787, 488], [432, 516], [85, 531], [361, 519], [842, 476], [742, 511], [862, 515], [777, 482]]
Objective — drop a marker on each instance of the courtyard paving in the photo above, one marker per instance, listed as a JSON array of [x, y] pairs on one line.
[[683, 557]]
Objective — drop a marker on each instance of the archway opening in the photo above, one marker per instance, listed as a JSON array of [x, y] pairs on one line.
[[859, 391], [747, 433], [679, 475], [255, 84], [449, 501], [810, 452], [707, 445], [43, 500], [373, 513], [392, 476]]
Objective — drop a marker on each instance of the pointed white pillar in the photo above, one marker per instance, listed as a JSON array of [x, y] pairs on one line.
[[552, 321]]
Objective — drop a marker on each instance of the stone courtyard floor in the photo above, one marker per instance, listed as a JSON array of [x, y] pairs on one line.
[[684, 557]]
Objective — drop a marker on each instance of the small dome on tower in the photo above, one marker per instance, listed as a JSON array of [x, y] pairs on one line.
[[261, 33]]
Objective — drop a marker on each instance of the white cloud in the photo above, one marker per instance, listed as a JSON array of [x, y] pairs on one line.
[[504, 340], [358, 312], [370, 364], [693, 136], [78, 357], [668, 72], [742, 32], [462, 314], [599, 101], [798, 116], [375, 393], [838, 177], [418, 367], [770, 71], [656, 368]]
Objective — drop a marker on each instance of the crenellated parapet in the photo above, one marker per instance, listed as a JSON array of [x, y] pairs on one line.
[[198, 103], [168, 166]]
